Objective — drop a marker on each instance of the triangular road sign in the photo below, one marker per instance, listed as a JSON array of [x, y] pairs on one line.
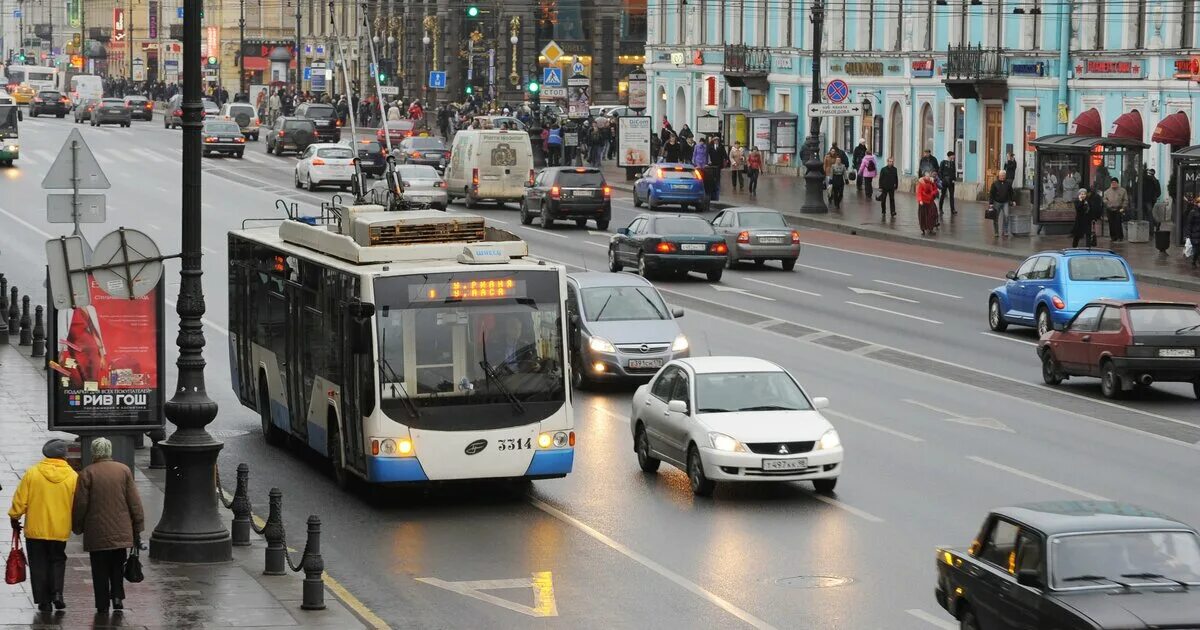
[[75, 157], [541, 582]]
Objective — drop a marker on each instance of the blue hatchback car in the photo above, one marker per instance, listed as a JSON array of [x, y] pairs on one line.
[[1050, 287], [670, 183]]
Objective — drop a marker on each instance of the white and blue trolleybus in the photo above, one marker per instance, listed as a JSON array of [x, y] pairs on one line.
[[404, 346]]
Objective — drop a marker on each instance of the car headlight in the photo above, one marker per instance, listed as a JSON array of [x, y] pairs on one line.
[[600, 344], [831, 439], [723, 442], [681, 344], [388, 447]]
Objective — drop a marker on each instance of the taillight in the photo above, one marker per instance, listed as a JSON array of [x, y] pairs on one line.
[[530, 177], [239, 139], [37, 100], [415, 154], [210, 139], [441, 184], [320, 162], [664, 247], [607, 192], [63, 100], [698, 176], [178, 113], [795, 237], [720, 248], [1057, 302], [555, 192], [338, 123], [149, 105], [280, 133], [660, 174], [475, 177], [743, 237]]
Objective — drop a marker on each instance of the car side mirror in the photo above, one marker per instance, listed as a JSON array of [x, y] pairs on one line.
[[360, 326], [820, 402], [529, 184], [1011, 275], [676, 312], [677, 406], [623, 231], [1029, 577]]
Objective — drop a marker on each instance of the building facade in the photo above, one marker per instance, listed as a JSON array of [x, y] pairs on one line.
[[979, 77]]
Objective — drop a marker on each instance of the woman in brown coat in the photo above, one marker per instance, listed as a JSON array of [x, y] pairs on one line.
[[108, 512]]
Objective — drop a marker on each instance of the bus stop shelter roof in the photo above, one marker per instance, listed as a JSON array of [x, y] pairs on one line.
[[1189, 154], [1069, 143]]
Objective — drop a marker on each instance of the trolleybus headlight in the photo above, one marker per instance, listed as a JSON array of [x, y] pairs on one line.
[[560, 439], [388, 447], [544, 440], [404, 446]]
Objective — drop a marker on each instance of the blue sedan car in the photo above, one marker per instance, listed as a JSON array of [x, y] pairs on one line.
[[1050, 287], [671, 183]]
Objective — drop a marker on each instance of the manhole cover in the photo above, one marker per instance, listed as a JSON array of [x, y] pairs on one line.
[[814, 581], [231, 433]]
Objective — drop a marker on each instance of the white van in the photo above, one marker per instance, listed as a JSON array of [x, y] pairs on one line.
[[85, 86], [489, 164]]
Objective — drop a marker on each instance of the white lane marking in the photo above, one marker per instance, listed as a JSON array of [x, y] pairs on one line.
[[838, 273], [491, 220], [149, 155], [905, 286], [867, 423], [930, 619], [153, 226], [908, 262], [881, 294], [541, 582], [1032, 477], [208, 250], [863, 514], [950, 416], [595, 233], [600, 245], [34, 228], [1008, 338], [678, 579], [780, 286], [884, 310], [717, 287], [542, 231]]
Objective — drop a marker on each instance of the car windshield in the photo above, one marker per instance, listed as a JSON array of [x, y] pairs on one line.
[[1096, 268], [222, 127], [320, 111], [426, 143], [748, 391], [208, 104], [8, 120], [369, 146], [417, 171], [298, 124], [573, 179], [50, 95], [672, 174], [337, 154], [1141, 557], [761, 219], [241, 107], [606, 304], [682, 225], [1160, 319], [113, 101]]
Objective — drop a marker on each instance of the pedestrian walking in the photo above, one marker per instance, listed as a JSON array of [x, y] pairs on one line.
[[44, 498], [1010, 167], [867, 172], [108, 512], [1116, 203], [718, 159], [1081, 229], [737, 166], [754, 166], [555, 142], [928, 163], [889, 181], [926, 209], [860, 152], [948, 172], [1192, 232], [672, 150], [1000, 197], [837, 181], [1151, 191]]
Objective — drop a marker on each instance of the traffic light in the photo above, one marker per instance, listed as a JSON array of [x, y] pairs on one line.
[[470, 90], [382, 76], [21, 56], [212, 61], [534, 87], [472, 11]]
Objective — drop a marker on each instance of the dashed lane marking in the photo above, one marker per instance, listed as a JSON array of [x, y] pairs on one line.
[[950, 416], [930, 619], [905, 286], [867, 423], [907, 262], [832, 271], [542, 231], [1009, 338], [1032, 477], [780, 286], [863, 514], [897, 313]]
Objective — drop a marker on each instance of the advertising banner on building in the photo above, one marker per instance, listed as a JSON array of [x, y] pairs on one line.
[[637, 90], [118, 28], [152, 19], [633, 140], [74, 16], [108, 369], [762, 134], [785, 136]]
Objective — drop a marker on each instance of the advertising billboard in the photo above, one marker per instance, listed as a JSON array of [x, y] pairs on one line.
[[633, 140]]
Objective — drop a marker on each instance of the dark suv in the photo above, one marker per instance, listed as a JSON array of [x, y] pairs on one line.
[[291, 134], [329, 128], [49, 102], [568, 193]]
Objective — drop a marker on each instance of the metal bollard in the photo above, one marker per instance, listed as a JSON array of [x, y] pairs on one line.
[[276, 555], [314, 568], [240, 529], [26, 324], [3, 309], [157, 460], [14, 310], [39, 332]]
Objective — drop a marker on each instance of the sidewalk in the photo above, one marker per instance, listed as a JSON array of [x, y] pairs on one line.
[[967, 231], [173, 596]]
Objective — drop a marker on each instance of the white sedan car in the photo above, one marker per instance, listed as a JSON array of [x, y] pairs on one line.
[[734, 419], [325, 164]]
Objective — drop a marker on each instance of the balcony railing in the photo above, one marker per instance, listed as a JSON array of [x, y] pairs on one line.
[[742, 59], [975, 62]]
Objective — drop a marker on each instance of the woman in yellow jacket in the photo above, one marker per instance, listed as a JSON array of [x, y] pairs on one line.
[[44, 498]]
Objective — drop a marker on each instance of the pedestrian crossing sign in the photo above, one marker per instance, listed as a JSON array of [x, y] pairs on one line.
[[552, 77]]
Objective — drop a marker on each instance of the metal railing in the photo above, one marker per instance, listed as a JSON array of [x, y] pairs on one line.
[[742, 59], [975, 62]]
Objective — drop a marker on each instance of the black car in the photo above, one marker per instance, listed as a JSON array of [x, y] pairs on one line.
[[568, 193], [140, 107], [329, 128], [423, 150], [668, 243], [372, 158], [222, 136], [49, 102], [1074, 565], [111, 110], [291, 134]]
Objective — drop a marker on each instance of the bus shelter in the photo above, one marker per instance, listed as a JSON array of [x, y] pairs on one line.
[[1067, 163], [1184, 187]]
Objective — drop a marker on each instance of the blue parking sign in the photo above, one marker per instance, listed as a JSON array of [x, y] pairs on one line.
[[179, 12]]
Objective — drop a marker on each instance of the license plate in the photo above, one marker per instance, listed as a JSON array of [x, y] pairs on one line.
[[645, 363], [323, 123], [771, 240], [693, 247], [681, 187], [418, 198], [785, 464], [1177, 352]]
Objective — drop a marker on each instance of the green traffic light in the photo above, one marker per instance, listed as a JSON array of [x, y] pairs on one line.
[[534, 87], [382, 77], [472, 11]]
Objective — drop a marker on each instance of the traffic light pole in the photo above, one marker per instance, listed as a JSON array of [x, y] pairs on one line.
[[299, 54]]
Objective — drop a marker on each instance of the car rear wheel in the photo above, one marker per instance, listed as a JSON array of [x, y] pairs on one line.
[[602, 225], [271, 433], [613, 264], [547, 220], [468, 201], [298, 184], [240, 153], [1050, 372], [701, 486], [581, 222], [1043, 321], [825, 486], [341, 476], [967, 620], [1195, 386], [526, 218], [651, 204], [1110, 381], [643, 271], [995, 316], [788, 264], [637, 201], [714, 275], [647, 462], [310, 185]]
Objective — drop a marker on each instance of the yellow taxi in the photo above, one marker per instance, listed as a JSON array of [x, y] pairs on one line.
[[22, 94]]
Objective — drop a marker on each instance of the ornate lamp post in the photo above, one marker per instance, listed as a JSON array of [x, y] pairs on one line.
[[814, 198], [190, 529], [514, 26]]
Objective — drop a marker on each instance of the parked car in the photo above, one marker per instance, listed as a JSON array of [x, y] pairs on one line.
[[222, 136], [1073, 565], [671, 183], [672, 243], [244, 115], [1050, 287], [111, 110], [140, 107], [1127, 344], [50, 102], [423, 150], [619, 328], [734, 419], [291, 134], [84, 109], [324, 116], [568, 193], [325, 164], [758, 234], [371, 158]]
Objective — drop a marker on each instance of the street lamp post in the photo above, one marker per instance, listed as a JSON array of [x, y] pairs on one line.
[[814, 176], [241, 56], [190, 529]]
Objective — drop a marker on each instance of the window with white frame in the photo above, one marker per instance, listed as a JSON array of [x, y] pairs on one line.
[[897, 27], [790, 16], [1187, 28], [1137, 35], [764, 9], [996, 32]]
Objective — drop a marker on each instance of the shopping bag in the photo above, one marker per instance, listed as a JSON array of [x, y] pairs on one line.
[[879, 196], [1189, 248], [990, 213], [133, 567], [14, 572]]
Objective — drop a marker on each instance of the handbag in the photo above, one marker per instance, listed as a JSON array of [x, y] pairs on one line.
[[133, 566], [14, 571], [879, 196], [851, 176], [990, 213]]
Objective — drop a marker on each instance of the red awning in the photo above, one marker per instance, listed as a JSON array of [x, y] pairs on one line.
[[261, 63], [1175, 130], [1086, 124], [1128, 126]]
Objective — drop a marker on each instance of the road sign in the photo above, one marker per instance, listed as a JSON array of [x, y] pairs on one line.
[[437, 79], [137, 263], [308, 73], [75, 167], [821, 110], [179, 13], [837, 90], [552, 77], [65, 260], [389, 90], [577, 67], [61, 208], [554, 92], [552, 52], [16, 13]]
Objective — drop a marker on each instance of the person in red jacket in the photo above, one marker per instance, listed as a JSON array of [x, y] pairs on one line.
[[926, 209], [754, 166]]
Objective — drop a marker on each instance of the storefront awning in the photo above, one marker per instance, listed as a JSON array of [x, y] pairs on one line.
[[772, 115], [1074, 143], [1086, 124], [1127, 125], [1175, 130]]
